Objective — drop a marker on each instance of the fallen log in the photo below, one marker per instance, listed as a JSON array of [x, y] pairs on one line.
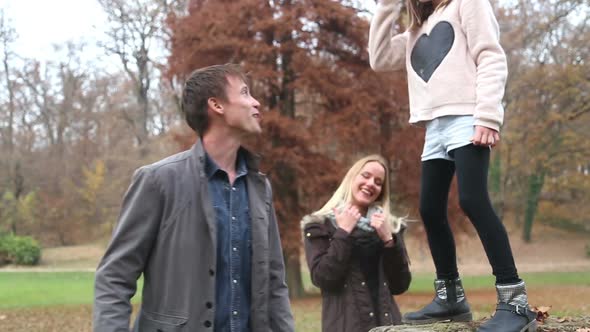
[[569, 324]]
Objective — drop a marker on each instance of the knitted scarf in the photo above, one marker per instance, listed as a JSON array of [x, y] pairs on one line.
[[363, 223]]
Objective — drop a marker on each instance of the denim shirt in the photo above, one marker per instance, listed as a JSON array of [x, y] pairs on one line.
[[234, 252]]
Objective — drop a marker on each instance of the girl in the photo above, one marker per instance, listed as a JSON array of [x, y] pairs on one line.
[[456, 76], [355, 251]]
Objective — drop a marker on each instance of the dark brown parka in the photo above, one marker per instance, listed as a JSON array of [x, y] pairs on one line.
[[347, 304]]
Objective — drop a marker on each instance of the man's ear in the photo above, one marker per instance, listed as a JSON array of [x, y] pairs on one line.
[[215, 105]]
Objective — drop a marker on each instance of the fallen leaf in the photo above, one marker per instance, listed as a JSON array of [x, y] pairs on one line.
[[542, 308], [542, 313]]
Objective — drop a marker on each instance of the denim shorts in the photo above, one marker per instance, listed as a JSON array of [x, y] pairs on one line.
[[445, 134]]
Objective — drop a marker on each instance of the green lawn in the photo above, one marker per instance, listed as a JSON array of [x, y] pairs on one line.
[[29, 289], [423, 283]]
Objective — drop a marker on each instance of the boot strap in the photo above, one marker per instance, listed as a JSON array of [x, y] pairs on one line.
[[519, 310]]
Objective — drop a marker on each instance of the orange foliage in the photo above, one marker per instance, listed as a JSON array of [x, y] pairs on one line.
[[326, 107]]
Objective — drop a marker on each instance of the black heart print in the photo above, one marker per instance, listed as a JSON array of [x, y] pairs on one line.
[[430, 50]]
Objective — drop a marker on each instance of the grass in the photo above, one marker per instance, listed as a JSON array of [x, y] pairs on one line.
[[307, 314], [28, 289], [50, 296], [423, 283]]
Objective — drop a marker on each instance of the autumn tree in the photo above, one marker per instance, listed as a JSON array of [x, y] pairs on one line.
[[546, 100], [11, 177], [137, 36], [65, 123], [310, 68]]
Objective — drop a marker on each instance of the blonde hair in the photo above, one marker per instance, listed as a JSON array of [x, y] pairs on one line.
[[343, 194], [420, 11]]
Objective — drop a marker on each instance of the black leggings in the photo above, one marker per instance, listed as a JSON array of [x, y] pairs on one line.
[[471, 165]]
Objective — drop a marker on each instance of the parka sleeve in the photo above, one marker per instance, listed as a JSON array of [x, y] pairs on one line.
[[396, 265], [328, 257], [483, 39], [387, 50]]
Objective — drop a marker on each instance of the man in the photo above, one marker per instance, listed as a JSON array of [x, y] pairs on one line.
[[201, 227]]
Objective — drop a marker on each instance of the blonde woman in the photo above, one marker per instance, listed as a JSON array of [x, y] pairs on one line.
[[355, 251], [456, 70]]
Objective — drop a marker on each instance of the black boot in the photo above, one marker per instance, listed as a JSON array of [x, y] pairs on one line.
[[512, 312], [449, 304]]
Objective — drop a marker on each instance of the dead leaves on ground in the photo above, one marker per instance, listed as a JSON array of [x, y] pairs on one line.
[[543, 314]]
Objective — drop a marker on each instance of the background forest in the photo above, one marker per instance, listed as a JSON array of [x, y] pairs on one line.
[[71, 132]]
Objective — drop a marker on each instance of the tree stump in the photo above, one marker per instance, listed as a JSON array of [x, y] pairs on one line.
[[570, 324]]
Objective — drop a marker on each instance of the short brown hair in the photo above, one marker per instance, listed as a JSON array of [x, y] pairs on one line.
[[202, 84]]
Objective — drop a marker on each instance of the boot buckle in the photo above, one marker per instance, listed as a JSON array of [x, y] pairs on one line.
[[520, 310], [517, 309]]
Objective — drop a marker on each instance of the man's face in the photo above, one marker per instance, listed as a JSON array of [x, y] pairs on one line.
[[241, 109]]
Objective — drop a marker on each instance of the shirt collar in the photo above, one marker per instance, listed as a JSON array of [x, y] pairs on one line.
[[211, 167]]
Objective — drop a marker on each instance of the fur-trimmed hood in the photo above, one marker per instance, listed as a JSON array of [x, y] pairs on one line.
[[312, 219]]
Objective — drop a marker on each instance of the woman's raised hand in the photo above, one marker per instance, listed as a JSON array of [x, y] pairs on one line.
[[347, 217], [382, 227]]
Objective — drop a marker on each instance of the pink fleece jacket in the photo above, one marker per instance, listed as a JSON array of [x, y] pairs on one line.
[[454, 61]]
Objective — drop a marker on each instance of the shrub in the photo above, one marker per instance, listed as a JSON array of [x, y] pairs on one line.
[[20, 250]]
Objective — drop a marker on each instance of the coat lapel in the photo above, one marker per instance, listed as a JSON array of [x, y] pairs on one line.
[[259, 201], [205, 200], [208, 211]]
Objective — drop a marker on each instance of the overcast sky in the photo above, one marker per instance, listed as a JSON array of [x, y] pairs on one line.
[[41, 23]]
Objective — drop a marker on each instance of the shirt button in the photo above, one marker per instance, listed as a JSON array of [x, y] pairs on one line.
[[235, 313], [235, 281], [211, 272], [371, 314], [386, 314], [209, 305], [233, 218], [384, 284], [233, 188], [235, 249], [362, 283], [207, 323], [308, 234]]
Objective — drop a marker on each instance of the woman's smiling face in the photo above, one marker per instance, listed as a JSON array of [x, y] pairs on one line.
[[367, 185]]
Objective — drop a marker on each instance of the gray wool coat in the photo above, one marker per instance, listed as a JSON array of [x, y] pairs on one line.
[[167, 231]]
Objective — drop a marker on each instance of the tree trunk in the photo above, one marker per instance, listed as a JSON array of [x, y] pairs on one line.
[[143, 86], [535, 185], [550, 325], [285, 190], [11, 106], [293, 275], [18, 188], [289, 193], [13, 165]]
